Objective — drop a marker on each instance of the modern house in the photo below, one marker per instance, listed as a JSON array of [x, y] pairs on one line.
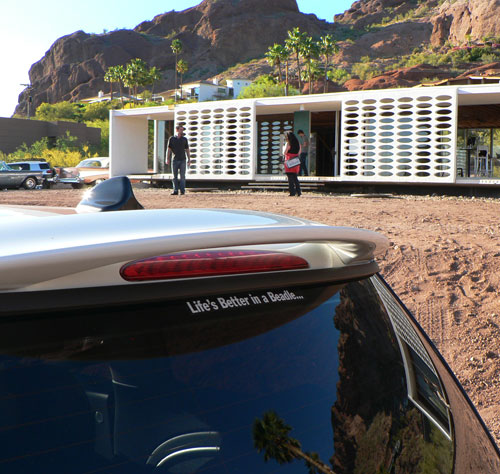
[[203, 91], [102, 97], [443, 135]]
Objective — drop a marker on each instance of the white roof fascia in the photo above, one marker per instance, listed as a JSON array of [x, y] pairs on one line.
[[147, 112], [478, 94]]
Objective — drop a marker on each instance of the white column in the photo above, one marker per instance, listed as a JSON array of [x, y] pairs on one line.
[[128, 144]]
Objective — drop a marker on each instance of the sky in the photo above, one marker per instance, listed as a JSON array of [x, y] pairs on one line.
[[29, 27]]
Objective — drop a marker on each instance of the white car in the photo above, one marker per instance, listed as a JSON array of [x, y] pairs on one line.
[[209, 341], [88, 172]]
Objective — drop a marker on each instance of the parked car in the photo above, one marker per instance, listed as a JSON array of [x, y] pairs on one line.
[[49, 173], [88, 172], [189, 341], [19, 178]]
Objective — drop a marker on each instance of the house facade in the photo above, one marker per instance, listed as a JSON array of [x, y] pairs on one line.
[[423, 135], [203, 91]]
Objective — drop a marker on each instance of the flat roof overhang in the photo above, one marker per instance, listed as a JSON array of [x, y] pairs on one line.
[[289, 104], [162, 112], [478, 94]]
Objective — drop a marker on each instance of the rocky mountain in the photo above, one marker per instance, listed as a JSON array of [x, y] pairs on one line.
[[218, 35]]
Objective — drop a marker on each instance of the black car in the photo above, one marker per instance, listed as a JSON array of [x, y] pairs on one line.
[[212, 341]]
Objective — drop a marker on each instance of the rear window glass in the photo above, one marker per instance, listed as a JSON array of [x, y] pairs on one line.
[[44, 166], [227, 383]]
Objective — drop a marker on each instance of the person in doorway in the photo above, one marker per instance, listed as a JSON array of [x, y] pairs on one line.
[[304, 147], [179, 147], [291, 152]]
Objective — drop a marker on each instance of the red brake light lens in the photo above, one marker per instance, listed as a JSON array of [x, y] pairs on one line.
[[210, 263]]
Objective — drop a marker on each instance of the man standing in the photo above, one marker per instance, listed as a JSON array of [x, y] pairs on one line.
[[178, 145], [304, 147]]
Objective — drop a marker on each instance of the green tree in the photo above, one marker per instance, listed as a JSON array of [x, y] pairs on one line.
[[181, 68], [176, 46], [136, 74], [313, 72], [153, 76], [265, 86], [61, 111], [294, 43], [285, 58], [271, 435], [116, 74], [365, 71], [96, 111], [339, 75], [327, 47], [108, 77], [274, 55], [310, 51]]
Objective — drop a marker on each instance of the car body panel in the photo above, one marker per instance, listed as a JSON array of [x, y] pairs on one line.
[[73, 244]]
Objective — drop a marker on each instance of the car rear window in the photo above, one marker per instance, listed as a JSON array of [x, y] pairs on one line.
[[44, 166], [226, 383]]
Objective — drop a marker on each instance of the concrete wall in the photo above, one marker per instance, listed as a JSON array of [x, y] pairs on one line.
[[14, 132], [128, 144]]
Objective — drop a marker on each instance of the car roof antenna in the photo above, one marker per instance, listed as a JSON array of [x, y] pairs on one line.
[[114, 194]]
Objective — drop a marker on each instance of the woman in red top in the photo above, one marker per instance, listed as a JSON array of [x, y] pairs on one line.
[[292, 150]]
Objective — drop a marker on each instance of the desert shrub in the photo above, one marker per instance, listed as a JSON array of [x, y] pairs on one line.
[[60, 111], [265, 86], [104, 126], [98, 110], [63, 158], [65, 152], [25, 152], [365, 71], [338, 75]]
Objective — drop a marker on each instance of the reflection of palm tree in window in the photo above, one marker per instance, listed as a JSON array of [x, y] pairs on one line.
[[271, 435]]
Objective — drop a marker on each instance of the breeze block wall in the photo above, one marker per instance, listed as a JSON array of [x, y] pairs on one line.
[[399, 136], [221, 137]]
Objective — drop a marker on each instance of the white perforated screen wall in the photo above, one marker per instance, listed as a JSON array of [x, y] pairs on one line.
[[221, 138], [399, 136]]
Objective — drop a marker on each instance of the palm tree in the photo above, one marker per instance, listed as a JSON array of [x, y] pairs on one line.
[[182, 68], [285, 57], [116, 74], [294, 43], [328, 47], [176, 46], [153, 75], [271, 435], [310, 51], [136, 75], [274, 55], [109, 77], [312, 73]]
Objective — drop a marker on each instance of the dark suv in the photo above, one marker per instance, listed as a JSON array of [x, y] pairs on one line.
[[211, 341], [49, 174]]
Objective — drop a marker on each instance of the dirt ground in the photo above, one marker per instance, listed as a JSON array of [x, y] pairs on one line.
[[443, 262]]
